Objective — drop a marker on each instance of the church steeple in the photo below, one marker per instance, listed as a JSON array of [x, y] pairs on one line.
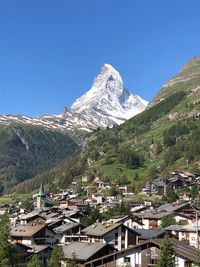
[[41, 191], [40, 199]]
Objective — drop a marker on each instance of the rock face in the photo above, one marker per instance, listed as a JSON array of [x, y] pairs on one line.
[[108, 102]]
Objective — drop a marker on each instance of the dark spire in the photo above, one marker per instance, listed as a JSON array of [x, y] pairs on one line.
[[41, 191]]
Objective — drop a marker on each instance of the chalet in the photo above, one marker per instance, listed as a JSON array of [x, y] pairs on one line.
[[115, 234], [146, 255], [126, 190], [156, 187], [98, 184], [32, 234], [186, 233], [22, 253], [73, 215], [68, 232], [180, 207], [31, 217], [83, 252], [152, 220]]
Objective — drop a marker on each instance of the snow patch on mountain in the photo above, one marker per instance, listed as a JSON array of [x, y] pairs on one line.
[[108, 102]]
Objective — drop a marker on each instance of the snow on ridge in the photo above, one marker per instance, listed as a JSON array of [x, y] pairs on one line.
[[110, 98], [107, 103]]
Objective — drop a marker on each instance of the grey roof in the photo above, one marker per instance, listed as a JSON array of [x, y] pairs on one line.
[[181, 249], [29, 215], [159, 182], [172, 207], [65, 227], [183, 228], [82, 251], [100, 229], [150, 233], [118, 219], [152, 215], [37, 248]]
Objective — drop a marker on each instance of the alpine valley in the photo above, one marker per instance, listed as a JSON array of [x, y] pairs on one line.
[[162, 138], [29, 146]]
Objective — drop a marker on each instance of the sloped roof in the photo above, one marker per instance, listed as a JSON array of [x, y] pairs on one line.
[[181, 249], [150, 233], [100, 229], [26, 230], [65, 227], [172, 207], [82, 251]]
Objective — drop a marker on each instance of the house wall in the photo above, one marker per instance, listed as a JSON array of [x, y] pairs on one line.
[[185, 221], [27, 241], [180, 262], [50, 237], [145, 223], [193, 239], [134, 257]]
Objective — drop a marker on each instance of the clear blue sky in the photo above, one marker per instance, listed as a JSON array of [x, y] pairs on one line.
[[50, 50]]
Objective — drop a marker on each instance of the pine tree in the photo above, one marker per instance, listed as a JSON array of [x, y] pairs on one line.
[[6, 249], [57, 256], [35, 262], [167, 221], [166, 257]]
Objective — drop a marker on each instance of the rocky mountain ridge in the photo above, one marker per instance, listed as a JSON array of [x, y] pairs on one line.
[[107, 103]]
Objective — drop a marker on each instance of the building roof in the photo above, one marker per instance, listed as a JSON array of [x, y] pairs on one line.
[[159, 182], [82, 251], [118, 219], [150, 233], [181, 249], [100, 229], [37, 248], [26, 230], [65, 227], [183, 228], [172, 207], [152, 215], [30, 215]]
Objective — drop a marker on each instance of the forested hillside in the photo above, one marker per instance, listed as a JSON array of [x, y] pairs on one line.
[[150, 144], [26, 151]]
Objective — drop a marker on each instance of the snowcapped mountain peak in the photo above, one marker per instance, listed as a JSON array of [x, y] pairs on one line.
[[108, 102], [107, 71]]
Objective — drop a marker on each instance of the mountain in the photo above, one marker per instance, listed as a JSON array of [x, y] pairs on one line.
[[108, 102], [163, 138], [32, 145], [188, 79]]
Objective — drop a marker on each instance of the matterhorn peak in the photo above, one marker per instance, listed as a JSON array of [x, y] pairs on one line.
[[108, 102], [108, 72]]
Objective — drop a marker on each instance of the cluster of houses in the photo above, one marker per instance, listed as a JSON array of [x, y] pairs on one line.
[[178, 179], [133, 240]]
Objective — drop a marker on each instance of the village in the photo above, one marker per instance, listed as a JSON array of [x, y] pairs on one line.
[[132, 238]]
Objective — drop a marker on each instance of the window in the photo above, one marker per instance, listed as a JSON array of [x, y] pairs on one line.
[[127, 259]]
